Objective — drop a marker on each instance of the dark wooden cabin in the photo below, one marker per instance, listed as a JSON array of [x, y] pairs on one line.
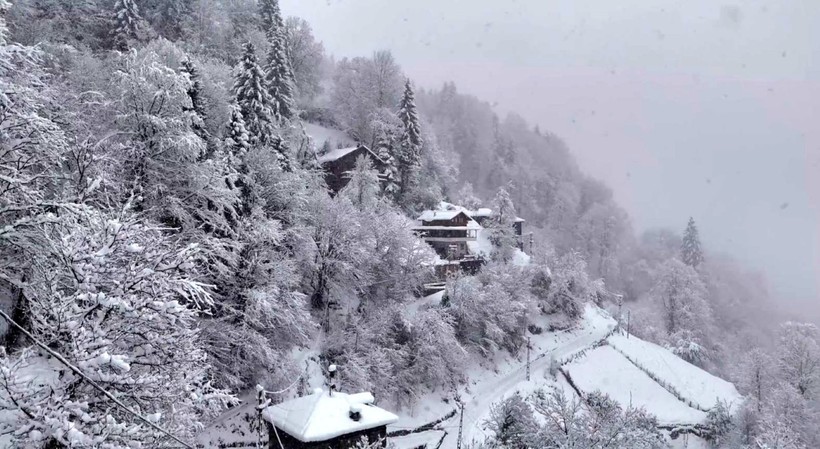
[[340, 162], [327, 421]]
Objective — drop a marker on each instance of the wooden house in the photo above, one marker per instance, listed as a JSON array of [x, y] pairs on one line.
[[327, 420], [340, 162], [448, 232]]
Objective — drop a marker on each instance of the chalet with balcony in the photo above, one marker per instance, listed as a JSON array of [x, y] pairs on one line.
[[448, 232]]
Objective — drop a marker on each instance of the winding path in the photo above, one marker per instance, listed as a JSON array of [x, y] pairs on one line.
[[485, 393]]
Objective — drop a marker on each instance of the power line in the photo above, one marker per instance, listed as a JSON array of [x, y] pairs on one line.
[[91, 382]]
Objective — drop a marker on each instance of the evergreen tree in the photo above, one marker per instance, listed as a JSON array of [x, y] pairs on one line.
[[127, 23], [237, 142], [237, 138], [272, 23], [386, 133], [279, 77], [250, 89], [198, 107], [282, 151], [690, 248], [278, 70], [410, 142], [4, 31]]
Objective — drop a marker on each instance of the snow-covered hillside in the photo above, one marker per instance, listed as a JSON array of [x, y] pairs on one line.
[[591, 355], [604, 369], [687, 381]]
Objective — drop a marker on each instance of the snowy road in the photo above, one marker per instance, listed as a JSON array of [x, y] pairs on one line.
[[487, 392]]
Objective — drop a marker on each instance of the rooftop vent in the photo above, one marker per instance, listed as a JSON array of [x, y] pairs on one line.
[[355, 412]]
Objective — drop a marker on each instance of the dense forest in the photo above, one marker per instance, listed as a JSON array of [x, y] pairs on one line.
[[166, 229]]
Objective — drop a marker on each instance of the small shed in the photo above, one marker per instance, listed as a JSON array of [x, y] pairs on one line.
[[340, 162], [327, 421]]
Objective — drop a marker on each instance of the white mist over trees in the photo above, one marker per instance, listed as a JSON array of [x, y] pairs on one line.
[[164, 226]]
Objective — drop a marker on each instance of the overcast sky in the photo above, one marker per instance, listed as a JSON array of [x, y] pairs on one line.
[[695, 108]]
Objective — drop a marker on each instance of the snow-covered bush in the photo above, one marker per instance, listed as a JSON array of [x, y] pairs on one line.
[[491, 309], [395, 355], [513, 423], [570, 287], [118, 300], [595, 422], [686, 345], [719, 421]]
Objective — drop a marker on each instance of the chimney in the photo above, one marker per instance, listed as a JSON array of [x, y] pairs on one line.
[[355, 412], [332, 381]]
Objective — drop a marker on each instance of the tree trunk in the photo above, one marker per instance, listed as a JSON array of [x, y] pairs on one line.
[[19, 315]]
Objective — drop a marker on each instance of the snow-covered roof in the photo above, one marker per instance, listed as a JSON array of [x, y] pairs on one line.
[[430, 215], [332, 155], [320, 416], [339, 153]]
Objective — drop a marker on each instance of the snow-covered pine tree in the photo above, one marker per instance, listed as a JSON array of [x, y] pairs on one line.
[[391, 173], [127, 23], [690, 247], [271, 15], [237, 138], [410, 142], [253, 98], [283, 153], [279, 77], [4, 30], [237, 144], [198, 107], [278, 70]]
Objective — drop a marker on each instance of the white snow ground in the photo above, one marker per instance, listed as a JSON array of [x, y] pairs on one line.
[[604, 369], [691, 382]]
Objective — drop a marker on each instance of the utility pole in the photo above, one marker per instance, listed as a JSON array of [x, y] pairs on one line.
[[261, 403], [460, 422], [627, 324], [528, 357]]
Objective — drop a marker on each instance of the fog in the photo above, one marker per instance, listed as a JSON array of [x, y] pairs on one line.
[[698, 109]]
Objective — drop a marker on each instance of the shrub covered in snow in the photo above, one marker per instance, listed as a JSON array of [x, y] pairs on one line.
[[119, 301]]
